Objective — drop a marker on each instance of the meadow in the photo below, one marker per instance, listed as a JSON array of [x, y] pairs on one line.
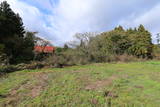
[[134, 84]]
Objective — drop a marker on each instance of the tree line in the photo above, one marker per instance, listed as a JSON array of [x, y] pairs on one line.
[[18, 45], [108, 46]]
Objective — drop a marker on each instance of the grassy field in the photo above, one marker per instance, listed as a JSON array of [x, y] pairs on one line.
[[97, 85]]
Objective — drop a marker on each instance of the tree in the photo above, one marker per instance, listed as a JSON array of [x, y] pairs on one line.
[[119, 28], [141, 28], [141, 43], [28, 46], [1, 49], [118, 42], [42, 42], [66, 47], [11, 23], [16, 45]]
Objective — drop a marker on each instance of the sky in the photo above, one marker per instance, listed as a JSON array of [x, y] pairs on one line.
[[59, 20]]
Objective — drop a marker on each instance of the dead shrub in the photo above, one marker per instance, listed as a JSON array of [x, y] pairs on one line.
[[126, 58]]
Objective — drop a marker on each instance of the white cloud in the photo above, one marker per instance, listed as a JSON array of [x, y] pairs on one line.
[[33, 18], [68, 17], [95, 15], [149, 19]]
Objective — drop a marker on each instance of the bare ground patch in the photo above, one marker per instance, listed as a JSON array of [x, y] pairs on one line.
[[42, 77], [139, 86], [80, 70], [33, 90], [102, 83]]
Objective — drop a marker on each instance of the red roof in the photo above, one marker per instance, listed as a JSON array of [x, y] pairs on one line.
[[46, 49]]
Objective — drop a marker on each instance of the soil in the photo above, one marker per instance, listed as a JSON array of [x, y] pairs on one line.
[[101, 84]]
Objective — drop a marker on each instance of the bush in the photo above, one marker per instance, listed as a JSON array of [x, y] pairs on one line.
[[12, 68], [3, 60], [127, 58], [8, 69], [74, 57], [67, 57], [156, 52], [35, 65]]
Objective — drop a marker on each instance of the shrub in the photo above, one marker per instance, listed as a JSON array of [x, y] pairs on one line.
[[8, 69], [156, 52], [127, 58], [12, 68]]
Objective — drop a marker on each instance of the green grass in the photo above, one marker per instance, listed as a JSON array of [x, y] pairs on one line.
[[110, 85]]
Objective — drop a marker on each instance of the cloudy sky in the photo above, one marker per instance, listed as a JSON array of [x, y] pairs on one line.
[[59, 20]]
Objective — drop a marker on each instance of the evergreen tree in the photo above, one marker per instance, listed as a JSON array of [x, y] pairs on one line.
[[141, 43], [28, 46], [141, 28], [10, 23], [119, 28], [16, 46]]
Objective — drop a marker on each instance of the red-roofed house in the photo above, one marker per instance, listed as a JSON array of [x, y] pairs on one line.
[[44, 49]]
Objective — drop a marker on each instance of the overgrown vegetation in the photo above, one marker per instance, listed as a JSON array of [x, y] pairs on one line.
[[116, 45]]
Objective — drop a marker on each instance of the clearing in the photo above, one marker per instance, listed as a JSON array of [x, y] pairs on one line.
[[135, 84]]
